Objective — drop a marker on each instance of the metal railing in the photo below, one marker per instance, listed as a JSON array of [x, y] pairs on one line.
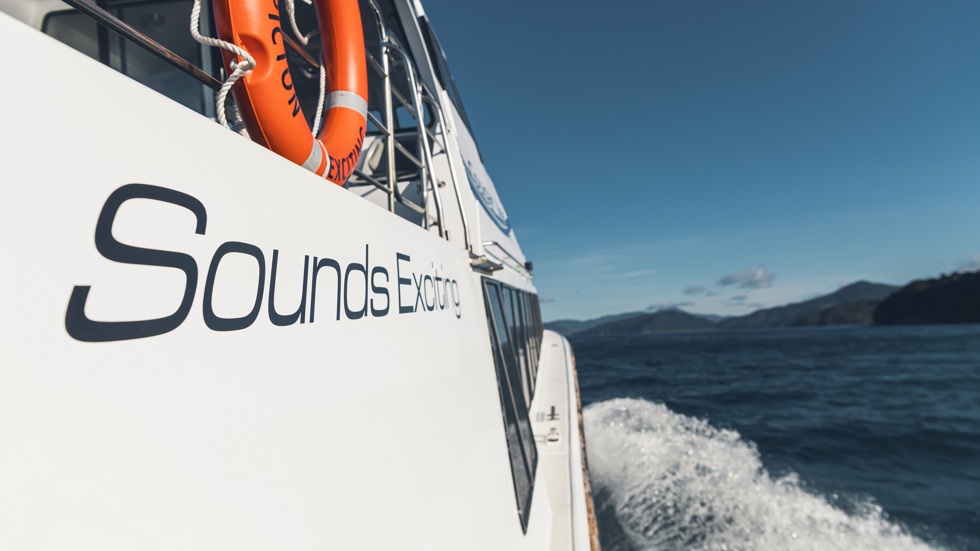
[[504, 259], [113, 23], [426, 139], [429, 98]]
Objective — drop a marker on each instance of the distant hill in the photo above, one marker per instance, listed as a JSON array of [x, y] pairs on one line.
[[848, 305], [854, 304], [657, 322], [947, 299], [570, 327], [712, 317], [857, 312]]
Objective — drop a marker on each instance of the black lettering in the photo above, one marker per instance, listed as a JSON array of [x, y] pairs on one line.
[[418, 293], [341, 167], [440, 295], [399, 257], [355, 267], [428, 279], [216, 322], [276, 30], [378, 290], [317, 264], [300, 314], [458, 309], [78, 325]]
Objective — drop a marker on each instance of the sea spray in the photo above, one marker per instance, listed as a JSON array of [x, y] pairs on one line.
[[675, 482]]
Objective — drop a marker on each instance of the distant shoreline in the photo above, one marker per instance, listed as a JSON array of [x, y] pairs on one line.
[[948, 300]]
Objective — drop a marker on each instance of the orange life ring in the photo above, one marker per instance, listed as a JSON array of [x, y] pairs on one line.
[[267, 99]]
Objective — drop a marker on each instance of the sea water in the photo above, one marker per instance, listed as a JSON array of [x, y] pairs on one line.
[[809, 439]]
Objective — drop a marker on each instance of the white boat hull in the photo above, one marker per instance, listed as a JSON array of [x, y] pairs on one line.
[[372, 423]]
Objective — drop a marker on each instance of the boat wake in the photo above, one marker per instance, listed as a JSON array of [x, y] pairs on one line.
[[665, 481]]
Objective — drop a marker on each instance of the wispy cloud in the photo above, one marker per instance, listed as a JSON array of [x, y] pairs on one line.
[[635, 274], [756, 277], [736, 300], [970, 265], [694, 290]]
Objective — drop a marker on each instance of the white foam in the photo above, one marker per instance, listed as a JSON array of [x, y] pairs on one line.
[[676, 482]]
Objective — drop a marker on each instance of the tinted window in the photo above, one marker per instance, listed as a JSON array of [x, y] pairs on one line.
[[517, 426], [168, 23], [517, 343], [532, 347], [520, 329], [441, 67]]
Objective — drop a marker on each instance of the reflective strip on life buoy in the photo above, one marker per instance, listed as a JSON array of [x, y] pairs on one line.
[[267, 99]]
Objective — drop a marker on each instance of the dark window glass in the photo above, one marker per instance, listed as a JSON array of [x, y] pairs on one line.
[[521, 331], [503, 319], [520, 440], [532, 346], [516, 342], [166, 22], [537, 319], [441, 67], [534, 329]]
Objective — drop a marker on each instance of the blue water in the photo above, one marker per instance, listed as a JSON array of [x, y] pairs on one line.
[[823, 438]]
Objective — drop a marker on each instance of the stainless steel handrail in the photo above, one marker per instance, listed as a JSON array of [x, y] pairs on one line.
[[428, 180], [389, 126], [437, 109], [376, 122], [119, 26], [389, 50], [517, 265], [298, 48], [419, 96]]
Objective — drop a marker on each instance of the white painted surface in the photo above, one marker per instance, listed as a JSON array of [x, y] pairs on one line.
[[559, 443], [371, 433]]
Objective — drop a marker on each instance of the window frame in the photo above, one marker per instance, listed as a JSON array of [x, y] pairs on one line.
[[515, 367], [440, 67], [114, 48]]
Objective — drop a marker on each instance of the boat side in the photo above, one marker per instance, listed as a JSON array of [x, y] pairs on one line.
[[557, 414], [207, 346]]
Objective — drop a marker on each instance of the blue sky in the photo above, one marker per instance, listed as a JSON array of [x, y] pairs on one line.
[[724, 155]]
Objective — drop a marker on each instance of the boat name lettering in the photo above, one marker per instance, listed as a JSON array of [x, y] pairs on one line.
[[342, 167], [418, 289], [287, 86]]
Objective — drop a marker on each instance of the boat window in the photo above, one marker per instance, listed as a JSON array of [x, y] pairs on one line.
[[528, 345], [517, 343], [532, 351], [524, 352], [535, 332], [441, 67], [517, 426], [167, 22]]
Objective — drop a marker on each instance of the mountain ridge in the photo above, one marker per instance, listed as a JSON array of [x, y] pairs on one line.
[[655, 322], [796, 314], [953, 298], [853, 304]]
